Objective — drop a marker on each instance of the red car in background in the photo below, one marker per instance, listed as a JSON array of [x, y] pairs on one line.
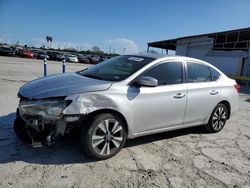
[[27, 54]]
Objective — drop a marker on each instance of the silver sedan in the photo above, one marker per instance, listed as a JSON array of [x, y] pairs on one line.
[[125, 97]]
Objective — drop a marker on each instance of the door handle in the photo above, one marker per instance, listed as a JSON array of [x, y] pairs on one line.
[[179, 96], [214, 92]]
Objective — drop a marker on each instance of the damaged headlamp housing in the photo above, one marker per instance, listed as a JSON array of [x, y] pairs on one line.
[[49, 109]]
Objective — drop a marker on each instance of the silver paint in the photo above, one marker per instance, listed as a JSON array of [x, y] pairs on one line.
[[147, 110], [61, 85]]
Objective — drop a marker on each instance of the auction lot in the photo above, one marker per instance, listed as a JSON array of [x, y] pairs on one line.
[[183, 158]]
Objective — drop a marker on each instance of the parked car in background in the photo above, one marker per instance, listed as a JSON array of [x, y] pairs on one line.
[[27, 53], [102, 58], [7, 51], [94, 59], [125, 97], [43, 55], [52, 55], [60, 56], [72, 58], [83, 58], [35, 53], [66, 57]]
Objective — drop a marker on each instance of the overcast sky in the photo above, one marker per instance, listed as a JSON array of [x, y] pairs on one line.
[[120, 24]]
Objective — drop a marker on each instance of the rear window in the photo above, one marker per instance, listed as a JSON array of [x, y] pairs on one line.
[[198, 73], [215, 74]]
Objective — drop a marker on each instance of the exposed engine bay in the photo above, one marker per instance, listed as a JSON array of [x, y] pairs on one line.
[[37, 123]]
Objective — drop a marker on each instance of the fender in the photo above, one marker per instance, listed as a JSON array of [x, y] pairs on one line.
[[89, 102]]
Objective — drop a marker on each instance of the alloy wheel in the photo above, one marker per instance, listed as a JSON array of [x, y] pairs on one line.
[[219, 118], [107, 137]]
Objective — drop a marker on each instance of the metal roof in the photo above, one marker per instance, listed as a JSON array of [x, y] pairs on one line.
[[242, 39]]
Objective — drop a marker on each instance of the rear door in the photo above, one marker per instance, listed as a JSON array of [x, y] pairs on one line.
[[203, 92]]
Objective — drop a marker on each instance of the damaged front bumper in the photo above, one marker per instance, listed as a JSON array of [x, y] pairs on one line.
[[37, 130]]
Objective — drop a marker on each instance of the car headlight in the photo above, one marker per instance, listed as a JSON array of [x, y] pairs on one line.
[[50, 109]]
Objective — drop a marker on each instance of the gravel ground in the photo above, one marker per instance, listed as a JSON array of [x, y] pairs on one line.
[[183, 158]]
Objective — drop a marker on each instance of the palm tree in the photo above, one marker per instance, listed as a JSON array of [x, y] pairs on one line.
[[49, 41]]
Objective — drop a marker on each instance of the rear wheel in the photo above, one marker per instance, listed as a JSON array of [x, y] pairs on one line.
[[104, 138], [218, 119]]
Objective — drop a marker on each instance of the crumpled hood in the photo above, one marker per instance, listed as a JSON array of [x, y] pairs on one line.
[[61, 85]]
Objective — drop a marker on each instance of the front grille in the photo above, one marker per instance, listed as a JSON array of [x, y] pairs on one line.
[[22, 98]]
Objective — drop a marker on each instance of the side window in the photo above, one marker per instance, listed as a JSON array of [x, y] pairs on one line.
[[215, 74], [166, 73], [198, 73]]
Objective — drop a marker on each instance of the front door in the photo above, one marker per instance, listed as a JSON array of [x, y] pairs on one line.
[[161, 106]]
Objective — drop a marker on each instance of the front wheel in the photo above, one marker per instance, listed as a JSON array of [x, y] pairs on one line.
[[21, 132], [218, 119], [105, 137]]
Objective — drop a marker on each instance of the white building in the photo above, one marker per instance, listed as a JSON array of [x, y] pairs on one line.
[[227, 50]]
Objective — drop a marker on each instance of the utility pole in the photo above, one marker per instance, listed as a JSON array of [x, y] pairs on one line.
[[109, 49]]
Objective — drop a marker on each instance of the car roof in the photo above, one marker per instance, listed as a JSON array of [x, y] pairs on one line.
[[164, 56], [181, 58], [157, 56], [154, 56]]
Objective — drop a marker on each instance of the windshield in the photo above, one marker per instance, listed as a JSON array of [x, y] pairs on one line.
[[116, 69]]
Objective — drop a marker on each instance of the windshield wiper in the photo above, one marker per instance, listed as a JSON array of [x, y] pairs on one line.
[[78, 72]]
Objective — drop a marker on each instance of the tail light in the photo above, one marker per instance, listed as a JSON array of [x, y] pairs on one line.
[[237, 87]]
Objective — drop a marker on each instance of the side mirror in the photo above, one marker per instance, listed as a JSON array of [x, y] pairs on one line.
[[148, 81]]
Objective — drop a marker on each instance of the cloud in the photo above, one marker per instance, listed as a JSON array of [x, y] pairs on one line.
[[5, 38], [38, 42], [119, 44]]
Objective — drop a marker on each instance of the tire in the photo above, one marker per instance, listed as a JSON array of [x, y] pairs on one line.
[[20, 130], [217, 119], [104, 137]]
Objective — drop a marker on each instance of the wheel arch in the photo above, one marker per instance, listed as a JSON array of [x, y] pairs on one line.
[[227, 104], [89, 117]]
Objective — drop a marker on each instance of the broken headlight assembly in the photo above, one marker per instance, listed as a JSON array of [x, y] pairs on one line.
[[49, 109]]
